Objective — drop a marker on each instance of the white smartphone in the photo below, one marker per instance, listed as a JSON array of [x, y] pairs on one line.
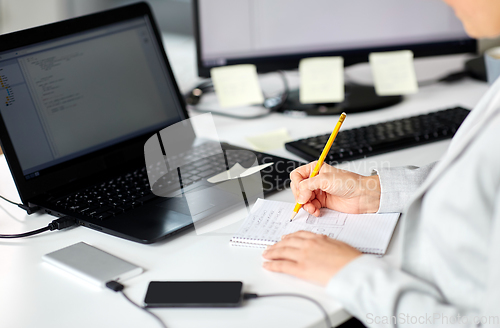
[[92, 264]]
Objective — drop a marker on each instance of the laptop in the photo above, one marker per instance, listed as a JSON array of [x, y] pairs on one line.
[[80, 99]]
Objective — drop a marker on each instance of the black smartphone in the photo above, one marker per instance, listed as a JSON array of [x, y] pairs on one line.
[[193, 294]]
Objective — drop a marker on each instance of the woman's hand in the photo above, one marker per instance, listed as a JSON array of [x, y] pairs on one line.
[[309, 256], [335, 189]]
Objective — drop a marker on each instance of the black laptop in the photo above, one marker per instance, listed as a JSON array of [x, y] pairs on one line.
[[79, 100]]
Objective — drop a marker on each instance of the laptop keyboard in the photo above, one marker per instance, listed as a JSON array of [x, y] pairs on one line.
[[132, 190], [110, 198], [204, 162]]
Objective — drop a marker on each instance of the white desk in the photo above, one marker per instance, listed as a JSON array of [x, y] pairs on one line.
[[33, 294]]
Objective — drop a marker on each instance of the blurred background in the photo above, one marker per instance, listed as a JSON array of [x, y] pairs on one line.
[[173, 16]]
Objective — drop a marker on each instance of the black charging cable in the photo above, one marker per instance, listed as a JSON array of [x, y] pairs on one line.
[[117, 287], [29, 209], [249, 296], [58, 224]]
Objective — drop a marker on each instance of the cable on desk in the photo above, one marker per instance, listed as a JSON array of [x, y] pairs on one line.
[[58, 224], [117, 287], [248, 296], [273, 104], [204, 110], [28, 209], [8, 200]]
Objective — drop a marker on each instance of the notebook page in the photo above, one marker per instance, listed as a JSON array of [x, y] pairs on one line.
[[370, 233], [269, 220]]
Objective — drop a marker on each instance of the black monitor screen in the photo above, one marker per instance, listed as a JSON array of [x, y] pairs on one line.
[[276, 34]]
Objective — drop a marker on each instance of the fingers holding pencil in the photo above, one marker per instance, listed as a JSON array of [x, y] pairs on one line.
[[319, 163], [298, 175]]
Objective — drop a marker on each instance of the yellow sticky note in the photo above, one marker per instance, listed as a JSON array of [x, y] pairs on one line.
[[237, 85], [270, 140], [394, 73], [321, 80]]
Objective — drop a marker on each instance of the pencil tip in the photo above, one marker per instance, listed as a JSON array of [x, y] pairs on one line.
[[293, 216]]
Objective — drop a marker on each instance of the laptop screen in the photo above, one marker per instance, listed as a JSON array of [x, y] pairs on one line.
[[70, 96]]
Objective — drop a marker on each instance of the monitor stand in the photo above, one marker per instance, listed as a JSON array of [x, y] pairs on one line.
[[358, 98]]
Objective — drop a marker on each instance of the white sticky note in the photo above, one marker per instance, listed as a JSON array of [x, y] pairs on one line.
[[321, 80], [270, 140], [237, 85], [394, 73]]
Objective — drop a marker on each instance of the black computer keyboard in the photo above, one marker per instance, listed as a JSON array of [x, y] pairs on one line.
[[382, 137]]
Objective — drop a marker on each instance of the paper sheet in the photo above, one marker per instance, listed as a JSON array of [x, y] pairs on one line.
[[321, 80], [394, 73], [270, 140], [269, 220], [237, 85]]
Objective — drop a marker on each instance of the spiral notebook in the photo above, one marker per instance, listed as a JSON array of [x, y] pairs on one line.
[[269, 220]]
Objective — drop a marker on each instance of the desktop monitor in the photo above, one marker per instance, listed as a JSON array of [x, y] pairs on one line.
[[277, 34]]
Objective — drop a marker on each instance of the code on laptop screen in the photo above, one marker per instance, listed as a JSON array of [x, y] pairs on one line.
[[77, 94]]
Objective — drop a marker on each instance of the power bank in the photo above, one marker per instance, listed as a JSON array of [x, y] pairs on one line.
[[92, 264]]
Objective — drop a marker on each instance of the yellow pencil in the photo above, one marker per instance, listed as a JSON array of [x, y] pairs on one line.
[[322, 157]]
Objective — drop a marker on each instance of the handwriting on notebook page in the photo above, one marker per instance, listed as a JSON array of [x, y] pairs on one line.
[[268, 221]]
